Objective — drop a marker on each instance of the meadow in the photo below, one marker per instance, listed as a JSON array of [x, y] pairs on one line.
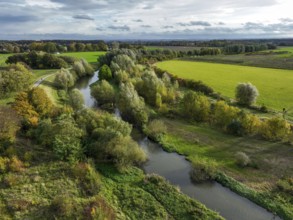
[[274, 85], [90, 57]]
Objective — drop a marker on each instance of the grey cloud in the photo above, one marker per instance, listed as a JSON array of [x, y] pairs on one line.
[[286, 20], [137, 20], [16, 18], [146, 26], [100, 29], [221, 23], [83, 17], [168, 26], [195, 23], [148, 7], [119, 28]]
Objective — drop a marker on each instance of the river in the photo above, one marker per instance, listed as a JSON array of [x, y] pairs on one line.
[[176, 170]]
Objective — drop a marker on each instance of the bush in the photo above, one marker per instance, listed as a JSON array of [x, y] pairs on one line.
[[246, 94], [76, 99], [196, 106], [275, 129], [64, 79], [16, 165], [242, 159], [203, 170], [88, 178], [155, 128], [63, 206]]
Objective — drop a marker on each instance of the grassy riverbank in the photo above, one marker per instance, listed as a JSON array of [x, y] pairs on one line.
[[270, 161]]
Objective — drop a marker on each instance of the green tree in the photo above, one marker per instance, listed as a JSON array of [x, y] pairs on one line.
[[105, 73], [64, 79], [76, 99], [66, 139], [196, 106], [246, 94], [103, 92], [131, 105]]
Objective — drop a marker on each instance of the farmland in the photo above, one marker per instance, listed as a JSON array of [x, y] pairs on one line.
[[274, 85], [90, 57]]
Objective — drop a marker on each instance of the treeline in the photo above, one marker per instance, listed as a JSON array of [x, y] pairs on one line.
[[242, 48], [52, 47]]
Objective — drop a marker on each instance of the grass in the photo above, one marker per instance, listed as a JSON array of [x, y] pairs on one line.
[[3, 58], [90, 57], [274, 85], [30, 194], [271, 161]]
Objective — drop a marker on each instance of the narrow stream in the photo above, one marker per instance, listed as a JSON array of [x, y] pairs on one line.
[[176, 170]]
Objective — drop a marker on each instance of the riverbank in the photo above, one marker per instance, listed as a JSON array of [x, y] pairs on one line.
[[258, 182]]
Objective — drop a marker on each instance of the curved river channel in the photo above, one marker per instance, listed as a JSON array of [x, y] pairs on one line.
[[176, 170]]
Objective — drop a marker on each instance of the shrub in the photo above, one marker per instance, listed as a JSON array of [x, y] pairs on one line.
[[275, 129], [246, 94], [3, 164], [76, 99], [63, 206], [286, 185], [16, 165], [155, 128], [242, 159], [196, 106], [88, 177], [203, 170]]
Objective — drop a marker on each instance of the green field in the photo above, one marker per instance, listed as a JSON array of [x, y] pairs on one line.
[[3, 58], [91, 57], [274, 85]]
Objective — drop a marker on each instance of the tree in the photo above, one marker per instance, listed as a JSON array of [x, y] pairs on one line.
[[103, 92], [9, 125], [131, 105], [64, 79], [105, 73], [14, 78], [76, 99], [196, 106], [246, 94], [66, 139], [223, 114], [41, 102]]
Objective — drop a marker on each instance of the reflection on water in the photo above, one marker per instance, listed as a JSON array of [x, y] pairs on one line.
[[83, 85], [176, 170]]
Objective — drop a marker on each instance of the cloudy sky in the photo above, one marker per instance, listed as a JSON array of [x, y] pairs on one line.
[[145, 19]]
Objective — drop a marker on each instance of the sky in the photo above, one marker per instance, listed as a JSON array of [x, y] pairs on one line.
[[145, 19]]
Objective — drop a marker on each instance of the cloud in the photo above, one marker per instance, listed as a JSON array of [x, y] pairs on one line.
[[168, 26], [17, 18], [220, 23], [100, 29], [83, 17], [286, 20], [195, 23], [137, 20], [119, 28], [146, 26]]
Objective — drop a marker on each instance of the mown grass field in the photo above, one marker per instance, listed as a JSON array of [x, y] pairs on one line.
[[274, 85], [90, 57]]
